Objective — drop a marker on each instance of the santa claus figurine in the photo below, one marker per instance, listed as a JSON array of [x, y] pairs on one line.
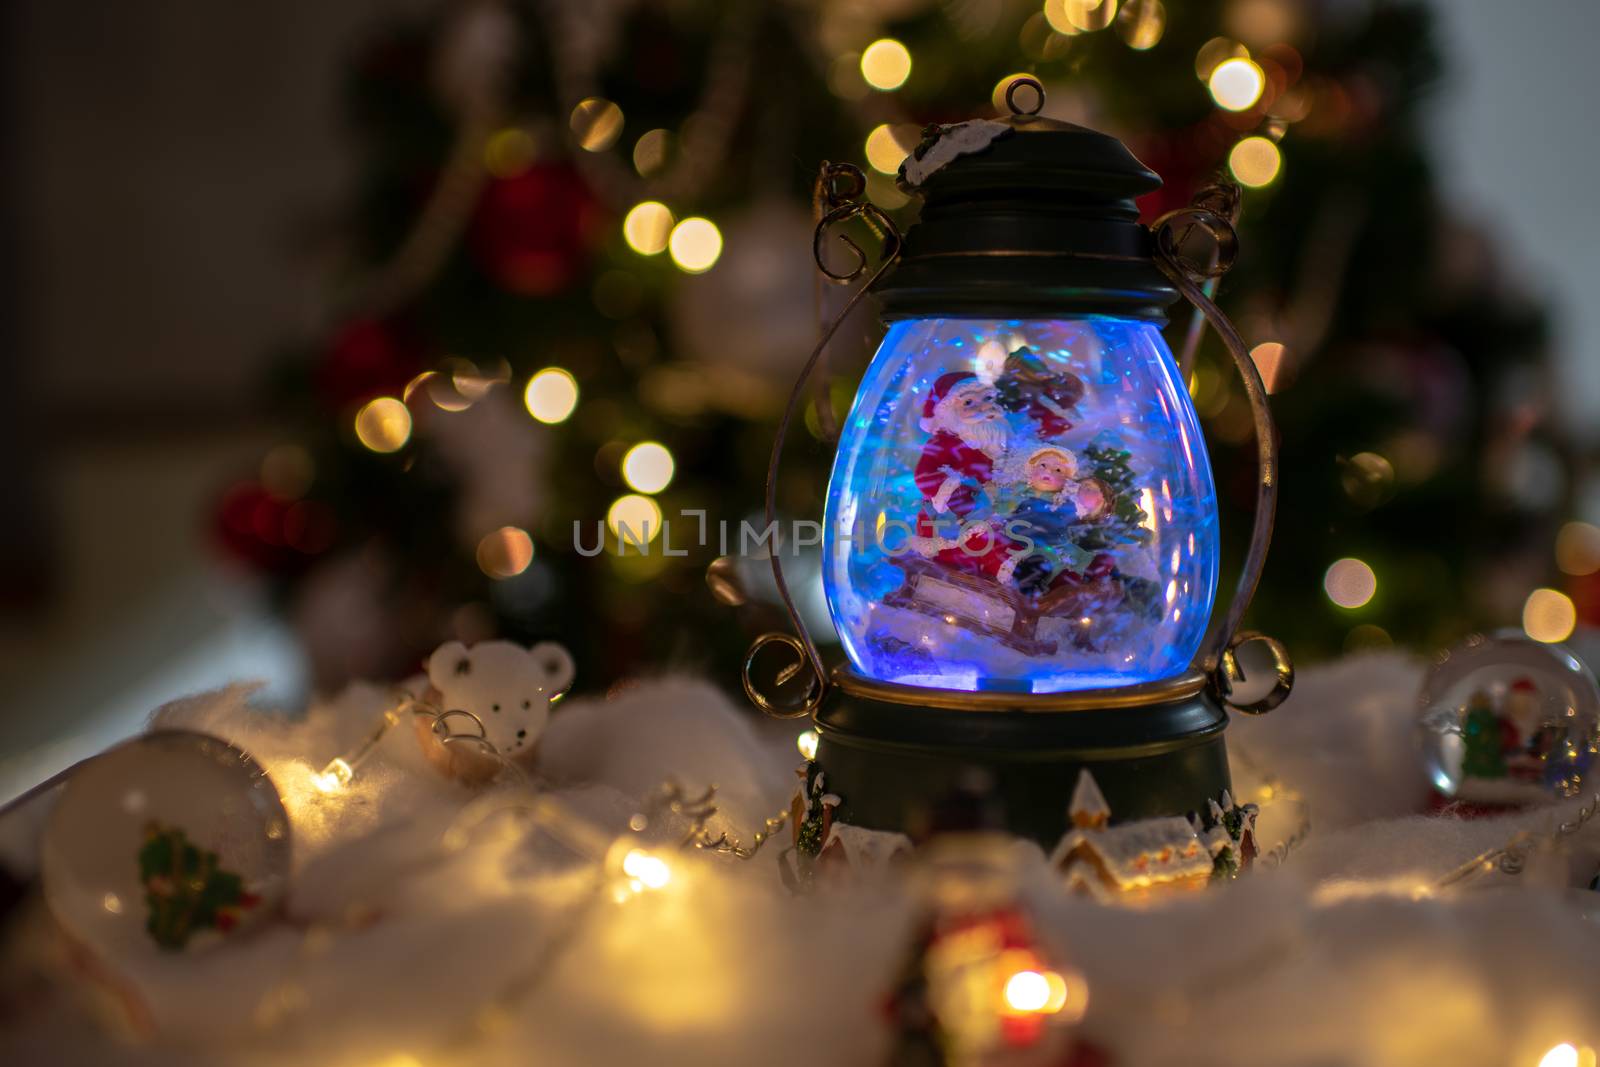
[[967, 429], [968, 434]]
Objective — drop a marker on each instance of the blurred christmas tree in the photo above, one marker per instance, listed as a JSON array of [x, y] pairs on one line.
[[582, 229]]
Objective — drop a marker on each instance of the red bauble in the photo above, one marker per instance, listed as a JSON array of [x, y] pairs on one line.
[[532, 232], [270, 534], [368, 358]]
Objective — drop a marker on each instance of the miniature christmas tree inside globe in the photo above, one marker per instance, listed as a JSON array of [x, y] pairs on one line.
[[1506, 720], [1022, 506]]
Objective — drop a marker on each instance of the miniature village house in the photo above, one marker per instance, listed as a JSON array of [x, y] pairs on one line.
[[1137, 859]]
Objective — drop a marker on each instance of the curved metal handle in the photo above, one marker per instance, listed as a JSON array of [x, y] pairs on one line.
[[1229, 674], [1213, 210], [838, 187]]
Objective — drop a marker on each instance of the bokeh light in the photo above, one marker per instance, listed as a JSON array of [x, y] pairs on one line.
[[650, 152], [1255, 161], [551, 395], [505, 553], [1213, 53], [384, 424], [1350, 583], [884, 152], [997, 96], [647, 467], [695, 244], [648, 870], [596, 123], [1563, 1055], [508, 153], [1236, 83], [1549, 615], [806, 742], [647, 227], [1268, 358], [634, 519], [1141, 23], [1079, 16], [1577, 548], [886, 64]]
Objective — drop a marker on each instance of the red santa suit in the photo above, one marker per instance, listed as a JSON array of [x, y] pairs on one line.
[[950, 473]]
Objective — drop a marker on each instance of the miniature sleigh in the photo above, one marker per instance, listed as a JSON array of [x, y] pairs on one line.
[[989, 609]]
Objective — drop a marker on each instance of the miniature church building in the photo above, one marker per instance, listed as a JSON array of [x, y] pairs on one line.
[[1134, 859]]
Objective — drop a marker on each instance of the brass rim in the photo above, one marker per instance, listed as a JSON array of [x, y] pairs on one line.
[[1178, 687]]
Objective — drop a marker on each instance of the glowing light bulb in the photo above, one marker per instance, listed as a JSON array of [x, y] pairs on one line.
[[1350, 583], [1563, 1055], [1236, 83], [634, 519], [648, 871], [695, 244], [647, 467], [1255, 161], [384, 424], [1036, 992], [334, 777], [807, 744], [1549, 615], [886, 64], [883, 151], [647, 226], [551, 395]]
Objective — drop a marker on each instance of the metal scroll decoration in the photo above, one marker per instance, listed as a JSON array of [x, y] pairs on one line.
[[840, 190], [1212, 212]]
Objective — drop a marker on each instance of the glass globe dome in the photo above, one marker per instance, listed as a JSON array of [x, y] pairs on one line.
[[1021, 505]]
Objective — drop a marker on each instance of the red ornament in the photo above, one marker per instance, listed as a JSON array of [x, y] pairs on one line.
[[368, 358], [270, 534], [531, 233]]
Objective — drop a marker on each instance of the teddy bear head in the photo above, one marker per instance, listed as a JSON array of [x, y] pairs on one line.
[[509, 688]]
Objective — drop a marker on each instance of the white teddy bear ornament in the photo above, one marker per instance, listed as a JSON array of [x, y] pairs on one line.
[[506, 687]]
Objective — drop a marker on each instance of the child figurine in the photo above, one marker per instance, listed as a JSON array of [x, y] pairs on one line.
[[1052, 501]]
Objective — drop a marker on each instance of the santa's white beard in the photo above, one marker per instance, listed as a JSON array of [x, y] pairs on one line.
[[986, 437]]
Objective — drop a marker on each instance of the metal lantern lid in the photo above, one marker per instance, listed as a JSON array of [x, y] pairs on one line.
[[1026, 215]]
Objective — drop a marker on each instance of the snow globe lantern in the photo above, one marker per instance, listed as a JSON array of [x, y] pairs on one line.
[[1020, 545]]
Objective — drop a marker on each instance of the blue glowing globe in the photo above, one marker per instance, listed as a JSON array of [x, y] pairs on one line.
[[1021, 506]]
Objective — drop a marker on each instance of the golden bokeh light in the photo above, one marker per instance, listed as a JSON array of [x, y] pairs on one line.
[[384, 424], [695, 245], [1141, 23], [1213, 53], [596, 123], [1084, 16], [884, 152], [886, 64], [1025, 97], [1236, 83], [1549, 615], [551, 395], [505, 553], [1578, 548], [650, 152], [508, 153], [647, 227], [1350, 583], [635, 520], [649, 870], [647, 467], [1255, 161], [806, 742], [1268, 358]]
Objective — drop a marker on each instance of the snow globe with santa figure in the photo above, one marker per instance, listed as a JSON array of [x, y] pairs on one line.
[[1021, 545]]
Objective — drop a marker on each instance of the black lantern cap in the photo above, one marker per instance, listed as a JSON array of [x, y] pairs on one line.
[[1025, 216]]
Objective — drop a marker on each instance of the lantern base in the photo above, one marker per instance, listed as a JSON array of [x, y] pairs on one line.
[[895, 755]]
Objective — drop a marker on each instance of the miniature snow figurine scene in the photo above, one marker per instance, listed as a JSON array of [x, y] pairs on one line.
[[1507, 722], [1021, 506]]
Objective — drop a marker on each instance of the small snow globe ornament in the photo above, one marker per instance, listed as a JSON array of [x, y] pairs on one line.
[[1021, 545], [172, 841], [1507, 721]]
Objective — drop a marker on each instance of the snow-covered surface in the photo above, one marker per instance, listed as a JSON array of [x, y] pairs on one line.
[[500, 952]]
